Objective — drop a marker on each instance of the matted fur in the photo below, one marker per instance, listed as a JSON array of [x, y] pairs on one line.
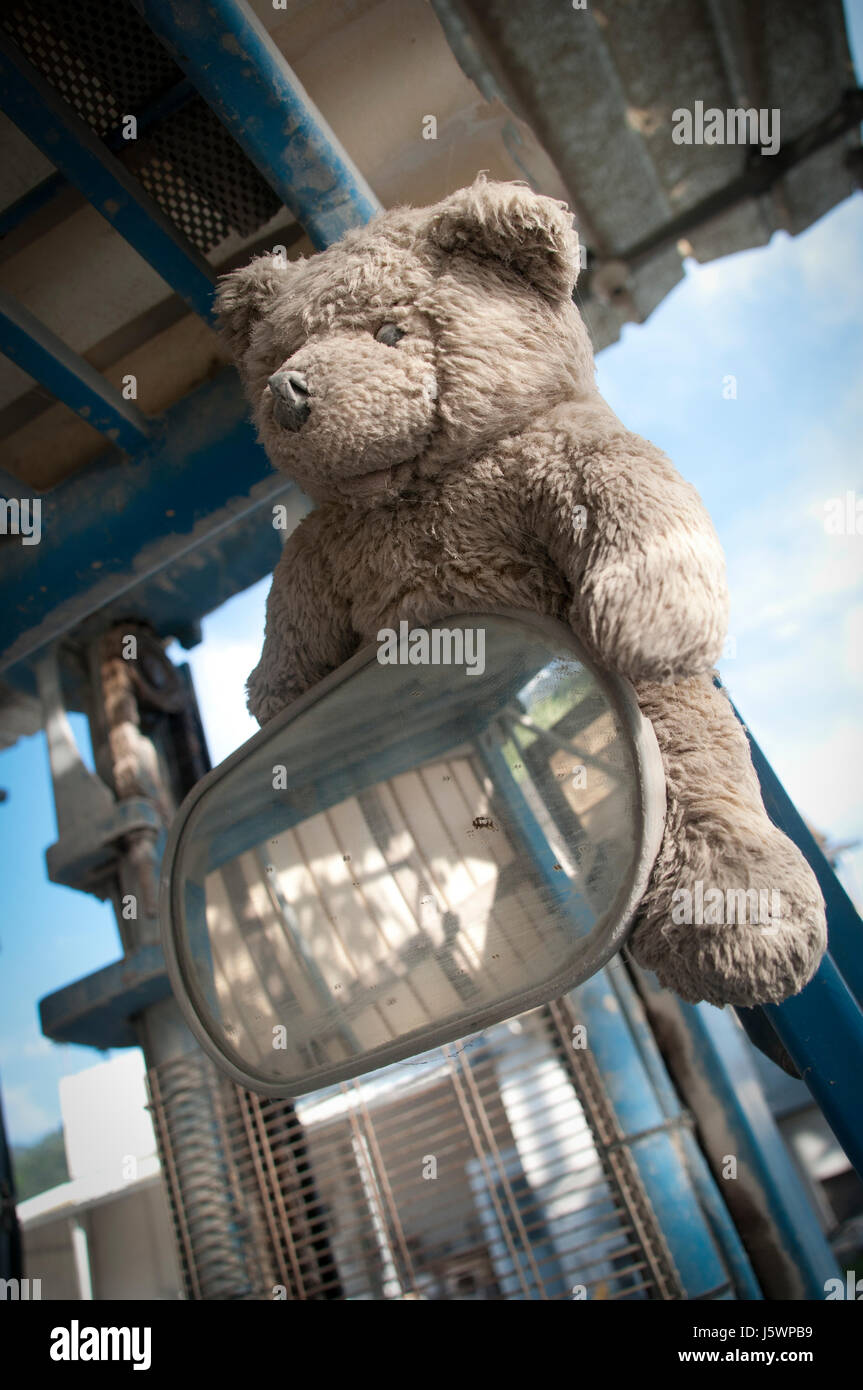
[[450, 472]]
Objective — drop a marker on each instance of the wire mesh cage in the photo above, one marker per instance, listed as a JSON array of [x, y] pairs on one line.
[[488, 1169]]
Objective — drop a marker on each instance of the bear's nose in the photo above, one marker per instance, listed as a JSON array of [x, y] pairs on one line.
[[290, 399]]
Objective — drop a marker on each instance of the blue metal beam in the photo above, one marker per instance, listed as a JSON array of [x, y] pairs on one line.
[[32, 202], [822, 1031], [709, 1057], [112, 531], [721, 1225], [822, 1027], [70, 378], [237, 68], [845, 929], [96, 1011], [69, 143], [648, 1132], [559, 890]]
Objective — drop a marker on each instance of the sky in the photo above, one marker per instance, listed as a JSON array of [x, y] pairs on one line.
[[786, 321]]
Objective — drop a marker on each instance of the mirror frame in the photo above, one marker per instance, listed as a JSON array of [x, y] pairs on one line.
[[605, 940]]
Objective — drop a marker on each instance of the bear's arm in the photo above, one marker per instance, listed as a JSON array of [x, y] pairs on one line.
[[638, 550], [308, 631]]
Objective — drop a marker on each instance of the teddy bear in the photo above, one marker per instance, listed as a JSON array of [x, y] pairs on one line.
[[428, 382]]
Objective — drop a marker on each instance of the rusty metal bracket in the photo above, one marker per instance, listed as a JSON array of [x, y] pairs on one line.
[[90, 819]]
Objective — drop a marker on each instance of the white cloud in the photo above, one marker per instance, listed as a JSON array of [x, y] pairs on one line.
[[830, 270], [817, 777], [821, 267], [724, 283], [785, 569]]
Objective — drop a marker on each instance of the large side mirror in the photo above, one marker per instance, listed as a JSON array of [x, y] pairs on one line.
[[411, 852]]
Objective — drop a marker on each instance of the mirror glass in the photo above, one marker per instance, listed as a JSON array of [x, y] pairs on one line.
[[418, 848]]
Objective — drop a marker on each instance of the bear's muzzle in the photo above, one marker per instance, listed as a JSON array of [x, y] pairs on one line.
[[290, 394]]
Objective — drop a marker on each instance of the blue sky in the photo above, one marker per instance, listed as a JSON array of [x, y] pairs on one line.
[[787, 322]]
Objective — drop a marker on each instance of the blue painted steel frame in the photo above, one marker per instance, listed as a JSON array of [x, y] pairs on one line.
[[107, 530], [69, 143], [522, 819], [717, 1056], [822, 1027], [86, 161], [844, 924], [96, 1010], [722, 1227], [32, 202], [648, 1132], [69, 377], [237, 68], [822, 1030]]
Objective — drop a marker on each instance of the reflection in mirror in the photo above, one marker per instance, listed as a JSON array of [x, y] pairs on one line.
[[411, 853]]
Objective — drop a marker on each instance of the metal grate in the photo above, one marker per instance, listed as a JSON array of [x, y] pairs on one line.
[[98, 54], [106, 63], [492, 1169], [200, 177], [216, 1240], [240, 1188]]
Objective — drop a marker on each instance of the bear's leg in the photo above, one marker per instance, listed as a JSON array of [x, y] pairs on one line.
[[731, 862]]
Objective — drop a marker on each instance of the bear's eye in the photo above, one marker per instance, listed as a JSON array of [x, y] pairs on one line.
[[388, 333]]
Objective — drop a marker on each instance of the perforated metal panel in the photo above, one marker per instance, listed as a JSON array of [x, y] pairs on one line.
[[200, 178], [105, 62], [99, 55]]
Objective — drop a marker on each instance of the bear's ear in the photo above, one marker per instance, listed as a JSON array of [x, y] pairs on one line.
[[244, 296], [508, 221]]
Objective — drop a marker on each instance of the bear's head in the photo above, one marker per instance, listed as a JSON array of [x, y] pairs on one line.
[[412, 342]]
